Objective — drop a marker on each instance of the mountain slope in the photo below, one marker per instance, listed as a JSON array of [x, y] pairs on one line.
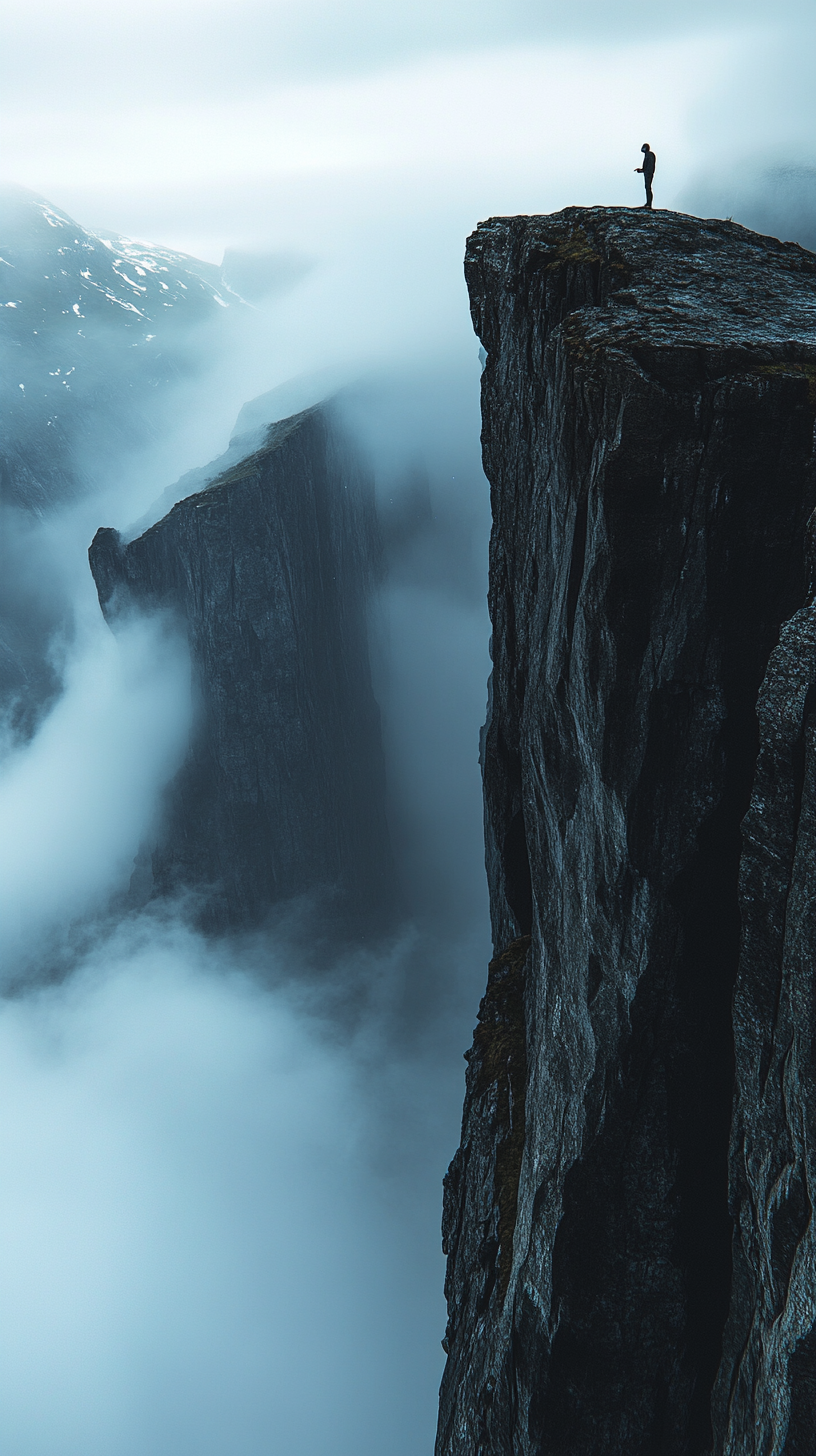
[[93, 328]]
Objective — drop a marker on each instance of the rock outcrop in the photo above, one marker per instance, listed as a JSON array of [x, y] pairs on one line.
[[648, 412], [270, 568]]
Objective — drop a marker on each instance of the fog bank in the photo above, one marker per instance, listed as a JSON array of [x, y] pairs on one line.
[[222, 1221]]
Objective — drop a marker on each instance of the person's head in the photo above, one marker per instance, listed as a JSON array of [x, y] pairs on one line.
[[645, 147]]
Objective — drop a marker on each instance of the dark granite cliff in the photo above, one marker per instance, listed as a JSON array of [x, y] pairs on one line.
[[765, 1398], [648, 418], [270, 567]]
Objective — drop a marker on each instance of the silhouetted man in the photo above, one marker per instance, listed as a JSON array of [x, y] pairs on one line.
[[648, 172]]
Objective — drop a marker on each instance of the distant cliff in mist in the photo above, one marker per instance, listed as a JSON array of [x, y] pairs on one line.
[[628, 1220], [97, 331], [270, 569]]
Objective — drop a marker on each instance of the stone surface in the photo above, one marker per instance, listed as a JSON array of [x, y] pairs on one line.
[[270, 568], [765, 1399], [648, 411]]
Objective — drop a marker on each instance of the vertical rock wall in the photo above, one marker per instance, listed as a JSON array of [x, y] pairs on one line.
[[765, 1399], [648, 409], [270, 569]]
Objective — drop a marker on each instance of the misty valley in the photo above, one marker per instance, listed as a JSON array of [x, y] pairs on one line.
[[243, 922], [250, 614]]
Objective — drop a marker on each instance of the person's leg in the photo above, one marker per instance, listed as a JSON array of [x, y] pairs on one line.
[[648, 202]]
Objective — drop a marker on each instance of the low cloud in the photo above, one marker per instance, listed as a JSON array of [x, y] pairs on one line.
[[76, 801], [223, 1161], [210, 1242]]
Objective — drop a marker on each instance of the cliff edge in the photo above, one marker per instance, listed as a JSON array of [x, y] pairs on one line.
[[648, 434]]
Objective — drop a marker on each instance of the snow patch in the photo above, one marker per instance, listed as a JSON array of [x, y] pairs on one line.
[[54, 219], [120, 273]]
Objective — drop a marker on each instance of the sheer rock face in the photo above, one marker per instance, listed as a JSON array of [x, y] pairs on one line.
[[648, 411], [270, 568], [765, 1399]]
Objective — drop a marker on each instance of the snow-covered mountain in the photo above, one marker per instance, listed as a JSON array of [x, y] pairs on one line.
[[93, 326], [95, 330]]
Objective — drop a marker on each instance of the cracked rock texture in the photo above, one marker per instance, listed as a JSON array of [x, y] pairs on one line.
[[270, 569], [648, 415]]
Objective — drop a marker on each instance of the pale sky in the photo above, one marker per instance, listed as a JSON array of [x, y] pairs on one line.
[[209, 124]]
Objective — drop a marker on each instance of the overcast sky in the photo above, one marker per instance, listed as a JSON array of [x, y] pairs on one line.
[[218, 122]]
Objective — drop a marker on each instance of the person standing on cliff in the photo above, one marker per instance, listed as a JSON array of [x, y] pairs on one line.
[[647, 169]]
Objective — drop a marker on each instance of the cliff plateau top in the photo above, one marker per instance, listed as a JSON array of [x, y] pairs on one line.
[[662, 278]]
